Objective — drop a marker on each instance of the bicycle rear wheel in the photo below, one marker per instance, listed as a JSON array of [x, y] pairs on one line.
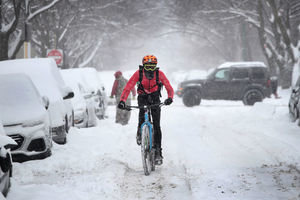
[[145, 150]]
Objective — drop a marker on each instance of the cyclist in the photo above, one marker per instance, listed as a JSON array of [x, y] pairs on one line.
[[149, 80]]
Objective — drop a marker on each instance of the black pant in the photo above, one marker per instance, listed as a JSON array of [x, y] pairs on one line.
[[151, 99]]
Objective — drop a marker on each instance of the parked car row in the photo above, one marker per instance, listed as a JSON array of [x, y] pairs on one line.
[[248, 82], [39, 103], [90, 97]]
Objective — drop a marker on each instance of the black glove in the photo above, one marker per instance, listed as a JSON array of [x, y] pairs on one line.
[[168, 101], [121, 105]]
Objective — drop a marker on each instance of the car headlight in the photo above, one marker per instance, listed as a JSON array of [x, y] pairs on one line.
[[33, 123]]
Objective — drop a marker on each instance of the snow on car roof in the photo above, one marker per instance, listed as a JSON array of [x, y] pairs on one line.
[[241, 64], [88, 77], [39, 70]]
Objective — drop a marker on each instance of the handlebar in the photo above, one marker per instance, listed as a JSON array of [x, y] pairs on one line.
[[129, 108]]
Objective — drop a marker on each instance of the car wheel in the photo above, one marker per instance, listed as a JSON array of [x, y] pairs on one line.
[[64, 141], [87, 117], [293, 115], [8, 185], [252, 96], [67, 124], [191, 98], [5, 163], [101, 116], [73, 123]]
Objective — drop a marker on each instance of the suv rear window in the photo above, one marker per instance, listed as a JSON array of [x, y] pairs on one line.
[[240, 73], [258, 73]]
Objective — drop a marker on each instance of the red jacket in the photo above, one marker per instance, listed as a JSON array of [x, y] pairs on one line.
[[149, 85]]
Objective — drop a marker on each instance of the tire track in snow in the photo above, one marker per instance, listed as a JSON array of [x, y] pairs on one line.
[[167, 182]]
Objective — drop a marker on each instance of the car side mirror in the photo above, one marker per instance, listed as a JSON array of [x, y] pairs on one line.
[[46, 102], [69, 95]]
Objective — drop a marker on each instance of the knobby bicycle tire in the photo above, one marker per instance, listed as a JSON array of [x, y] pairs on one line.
[[145, 150]]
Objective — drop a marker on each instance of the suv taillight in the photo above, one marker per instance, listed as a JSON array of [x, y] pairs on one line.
[[268, 83]]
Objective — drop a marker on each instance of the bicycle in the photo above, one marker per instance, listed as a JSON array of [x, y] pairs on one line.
[[147, 139]]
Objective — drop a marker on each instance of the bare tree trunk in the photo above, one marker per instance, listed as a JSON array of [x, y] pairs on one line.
[[246, 50], [3, 46]]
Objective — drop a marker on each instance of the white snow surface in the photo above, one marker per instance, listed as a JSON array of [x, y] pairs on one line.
[[218, 150]]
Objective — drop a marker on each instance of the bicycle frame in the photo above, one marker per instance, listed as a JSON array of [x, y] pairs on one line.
[[147, 123], [148, 154], [147, 116]]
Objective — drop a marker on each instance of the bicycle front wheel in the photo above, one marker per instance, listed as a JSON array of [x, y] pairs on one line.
[[145, 150]]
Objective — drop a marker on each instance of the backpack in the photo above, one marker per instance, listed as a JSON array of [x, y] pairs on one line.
[[140, 85]]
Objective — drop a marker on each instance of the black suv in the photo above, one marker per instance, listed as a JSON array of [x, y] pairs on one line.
[[246, 81]]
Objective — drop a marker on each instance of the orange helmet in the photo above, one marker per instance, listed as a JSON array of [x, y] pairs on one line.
[[150, 59]]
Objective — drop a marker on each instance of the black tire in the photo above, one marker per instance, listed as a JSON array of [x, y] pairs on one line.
[[293, 116], [191, 98], [67, 124], [5, 163], [73, 123], [87, 116], [100, 117], [64, 141], [7, 188], [145, 151], [252, 96]]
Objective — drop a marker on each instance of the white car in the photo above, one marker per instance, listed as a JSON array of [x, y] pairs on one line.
[[83, 104], [25, 118], [47, 79], [5, 161], [91, 81]]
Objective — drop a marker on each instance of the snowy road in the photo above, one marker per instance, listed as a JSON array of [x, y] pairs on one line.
[[219, 150]]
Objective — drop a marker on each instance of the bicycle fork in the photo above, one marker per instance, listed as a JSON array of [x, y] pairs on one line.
[[147, 123]]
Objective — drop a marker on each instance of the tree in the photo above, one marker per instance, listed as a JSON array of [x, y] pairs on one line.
[[9, 18], [12, 12], [271, 18]]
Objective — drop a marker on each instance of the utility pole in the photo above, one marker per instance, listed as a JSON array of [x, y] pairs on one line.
[[27, 45]]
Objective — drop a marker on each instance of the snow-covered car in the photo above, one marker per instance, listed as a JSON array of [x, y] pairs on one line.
[[5, 161], [25, 118], [90, 77], [83, 104], [294, 102], [47, 79]]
